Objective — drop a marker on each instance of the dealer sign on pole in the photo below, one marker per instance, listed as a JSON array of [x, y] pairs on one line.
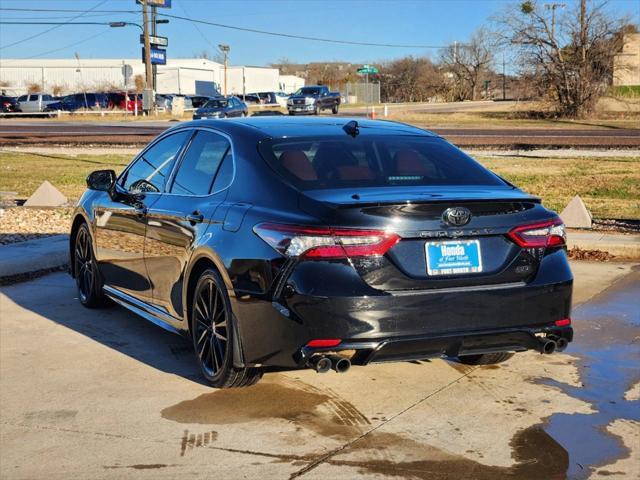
[[158, 56], [156, 41], [156, 3]]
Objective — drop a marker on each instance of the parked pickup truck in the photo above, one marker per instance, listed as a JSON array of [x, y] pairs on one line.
[[313, 100], [35, 102]]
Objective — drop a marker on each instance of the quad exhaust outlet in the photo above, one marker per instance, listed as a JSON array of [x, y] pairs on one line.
[[324, 363]]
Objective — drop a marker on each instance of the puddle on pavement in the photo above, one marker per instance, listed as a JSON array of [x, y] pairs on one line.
[[607, 343], [320, 410], [537, 454]]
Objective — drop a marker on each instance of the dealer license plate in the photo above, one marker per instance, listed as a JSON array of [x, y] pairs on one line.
[[453, 257]]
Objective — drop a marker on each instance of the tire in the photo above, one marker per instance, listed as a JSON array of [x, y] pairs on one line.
[[485, 358], [292, 113], [212, 333], [85, 268], [335, 109], [316, 111]]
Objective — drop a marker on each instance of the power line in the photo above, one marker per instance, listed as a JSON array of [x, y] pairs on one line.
[[2, 22], [299, 37], [18, 42], [58, 17], [68, 46], [66, 10]]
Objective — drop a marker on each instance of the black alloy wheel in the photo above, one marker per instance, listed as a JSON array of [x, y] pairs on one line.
[[86, 270], [212, 332]]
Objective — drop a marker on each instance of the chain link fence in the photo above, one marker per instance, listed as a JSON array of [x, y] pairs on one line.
[[361, 93]]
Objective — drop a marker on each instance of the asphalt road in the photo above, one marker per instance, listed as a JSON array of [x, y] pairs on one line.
[[14, 132], [104, 394]]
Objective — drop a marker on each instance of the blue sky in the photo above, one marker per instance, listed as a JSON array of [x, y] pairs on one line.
[[421, 22]]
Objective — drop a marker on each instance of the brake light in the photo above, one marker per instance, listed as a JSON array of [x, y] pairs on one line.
[[324, 343], [544, 234], [322, 242], [564, 322]]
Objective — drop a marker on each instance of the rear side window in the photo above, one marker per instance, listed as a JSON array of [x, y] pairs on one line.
[[200, 164], [150, 171], [23, 98], [373, 161]]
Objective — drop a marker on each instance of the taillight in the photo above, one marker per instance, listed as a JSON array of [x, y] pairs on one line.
[[322, 243], [545, 234], [324, 343]]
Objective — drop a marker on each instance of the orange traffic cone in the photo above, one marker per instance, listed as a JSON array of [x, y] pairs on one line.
[[373, 113]]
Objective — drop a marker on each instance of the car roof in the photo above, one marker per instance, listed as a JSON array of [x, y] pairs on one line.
[[283, 126]]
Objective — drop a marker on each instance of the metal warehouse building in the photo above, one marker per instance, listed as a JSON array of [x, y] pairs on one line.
[[189, 76]]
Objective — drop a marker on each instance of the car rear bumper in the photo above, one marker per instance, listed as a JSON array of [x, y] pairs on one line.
[[450, 345], [405, 325]]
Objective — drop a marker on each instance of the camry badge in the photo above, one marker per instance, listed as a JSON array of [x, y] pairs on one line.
[[456, 216]]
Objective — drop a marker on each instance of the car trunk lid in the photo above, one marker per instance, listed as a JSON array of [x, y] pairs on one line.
[[487, 256]]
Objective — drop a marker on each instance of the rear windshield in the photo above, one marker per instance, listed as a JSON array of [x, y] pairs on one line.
[[370, 161]]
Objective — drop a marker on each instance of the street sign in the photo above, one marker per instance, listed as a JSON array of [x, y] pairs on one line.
[[156, 41], [368, 69], [158, 56], [156, 3]]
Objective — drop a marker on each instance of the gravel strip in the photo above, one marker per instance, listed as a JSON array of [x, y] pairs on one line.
[[18, 224]]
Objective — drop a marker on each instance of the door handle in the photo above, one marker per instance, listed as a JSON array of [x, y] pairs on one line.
[[195, 217]]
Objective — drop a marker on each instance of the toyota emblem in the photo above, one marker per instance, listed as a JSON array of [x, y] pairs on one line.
[[456, 216]]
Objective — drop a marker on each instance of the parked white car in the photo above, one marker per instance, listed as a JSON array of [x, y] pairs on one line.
[[35, 102]]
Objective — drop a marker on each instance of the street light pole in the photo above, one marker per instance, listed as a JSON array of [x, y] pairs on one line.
[[225, 49], [154, 31], [147, 46]]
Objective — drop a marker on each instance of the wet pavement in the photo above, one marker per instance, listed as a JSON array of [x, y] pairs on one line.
[[607, 344], [103, 394]]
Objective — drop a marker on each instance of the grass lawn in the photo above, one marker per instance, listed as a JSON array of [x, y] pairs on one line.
[[502, 120], [24, 172], [609, 186]]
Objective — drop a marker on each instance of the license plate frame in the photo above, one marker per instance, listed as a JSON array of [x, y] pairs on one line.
[[453, 257]]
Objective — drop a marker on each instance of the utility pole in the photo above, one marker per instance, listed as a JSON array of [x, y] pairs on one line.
[[154, 68], [148, 73], [225, 49], [553, 7]]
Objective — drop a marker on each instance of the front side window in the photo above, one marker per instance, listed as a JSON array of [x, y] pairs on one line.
[[373, 161], [150, 171], [23, 98], [200, 164]]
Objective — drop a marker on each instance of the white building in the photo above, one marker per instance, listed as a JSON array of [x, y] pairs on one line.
[[188, 76]]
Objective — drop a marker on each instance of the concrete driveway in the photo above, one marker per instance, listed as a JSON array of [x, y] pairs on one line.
[[103, 394]]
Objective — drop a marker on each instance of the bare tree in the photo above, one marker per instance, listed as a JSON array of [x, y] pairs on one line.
[[214, 57], [469, 62], [409, 79], [569, 53], [34, 87]]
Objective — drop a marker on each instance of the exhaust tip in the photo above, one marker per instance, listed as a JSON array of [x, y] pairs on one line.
[[547, 346], [561, 344], [320, 364], [340, 364]]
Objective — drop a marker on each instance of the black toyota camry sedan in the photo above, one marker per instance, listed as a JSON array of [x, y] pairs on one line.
[[279, 243]]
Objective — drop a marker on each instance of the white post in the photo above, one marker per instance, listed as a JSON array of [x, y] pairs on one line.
[[386, 111]]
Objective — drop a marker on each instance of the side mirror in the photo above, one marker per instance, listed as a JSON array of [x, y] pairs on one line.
[[101, 180]]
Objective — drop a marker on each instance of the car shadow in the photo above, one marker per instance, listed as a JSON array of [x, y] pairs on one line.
[[54, 298]]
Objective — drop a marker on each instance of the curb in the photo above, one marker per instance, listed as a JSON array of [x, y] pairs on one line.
[[34, 255]]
